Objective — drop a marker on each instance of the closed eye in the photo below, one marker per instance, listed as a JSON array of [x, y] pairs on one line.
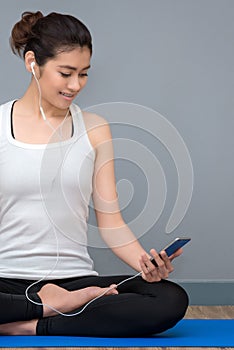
[[65, 75]]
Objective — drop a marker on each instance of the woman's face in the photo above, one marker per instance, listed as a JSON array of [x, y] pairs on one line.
[[63, 77]]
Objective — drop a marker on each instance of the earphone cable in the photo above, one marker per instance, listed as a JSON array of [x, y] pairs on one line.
[[55, 233]]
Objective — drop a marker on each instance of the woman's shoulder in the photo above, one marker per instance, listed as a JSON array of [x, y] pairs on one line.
[[93, 120], [97, 127], [5, 108], [6, 104]]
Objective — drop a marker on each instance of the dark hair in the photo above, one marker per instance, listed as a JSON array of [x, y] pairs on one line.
[[48, 35]]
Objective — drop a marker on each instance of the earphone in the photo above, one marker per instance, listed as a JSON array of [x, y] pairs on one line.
[[39, 89], [32, 68], [32, 65], [60, 136]]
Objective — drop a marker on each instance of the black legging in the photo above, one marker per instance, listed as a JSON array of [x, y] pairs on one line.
[[140, 308]]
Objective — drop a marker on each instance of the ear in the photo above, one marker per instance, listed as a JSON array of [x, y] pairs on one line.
[[28, 59]]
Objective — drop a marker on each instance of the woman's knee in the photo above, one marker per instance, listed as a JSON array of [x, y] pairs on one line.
[[177, 299]]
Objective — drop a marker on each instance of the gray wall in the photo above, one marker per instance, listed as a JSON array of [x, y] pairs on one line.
[[174, 57]]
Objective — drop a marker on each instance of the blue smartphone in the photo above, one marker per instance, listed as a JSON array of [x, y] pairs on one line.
[[172, 247]]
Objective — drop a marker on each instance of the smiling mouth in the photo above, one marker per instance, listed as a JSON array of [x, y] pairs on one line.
[[67, 95]]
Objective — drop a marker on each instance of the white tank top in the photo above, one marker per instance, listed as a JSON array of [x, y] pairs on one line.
[[45, 190]]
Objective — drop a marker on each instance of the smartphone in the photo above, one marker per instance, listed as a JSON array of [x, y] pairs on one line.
[[172, 247]]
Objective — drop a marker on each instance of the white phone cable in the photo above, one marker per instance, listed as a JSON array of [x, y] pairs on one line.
[[87, 304], [60, 135], [55, 233]]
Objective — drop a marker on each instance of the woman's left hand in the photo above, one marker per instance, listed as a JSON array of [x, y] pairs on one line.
[[150, 272]]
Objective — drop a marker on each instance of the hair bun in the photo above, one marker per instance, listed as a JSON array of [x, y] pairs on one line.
[[22, 31]]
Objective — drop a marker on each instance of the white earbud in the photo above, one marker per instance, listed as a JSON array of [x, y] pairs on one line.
[[39, 89], [32, 67]]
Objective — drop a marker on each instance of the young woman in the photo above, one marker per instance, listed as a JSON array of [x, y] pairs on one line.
[[35, 294]]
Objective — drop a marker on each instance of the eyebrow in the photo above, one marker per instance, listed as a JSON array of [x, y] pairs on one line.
[[72, 68]]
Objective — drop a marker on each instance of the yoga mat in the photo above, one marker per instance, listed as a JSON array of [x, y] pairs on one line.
[[187, 333]]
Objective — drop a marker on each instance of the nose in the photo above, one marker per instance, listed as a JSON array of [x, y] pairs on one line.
[[74, 84]]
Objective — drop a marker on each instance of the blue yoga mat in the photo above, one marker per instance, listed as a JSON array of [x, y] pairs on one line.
[[190, 333]]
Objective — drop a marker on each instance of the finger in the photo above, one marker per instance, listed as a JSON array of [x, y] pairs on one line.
[[145, 268], [167, 261], [162, 268], [112, 290], [144, 263], [149, 271], [157, 258], [151, 277], [177, 253]]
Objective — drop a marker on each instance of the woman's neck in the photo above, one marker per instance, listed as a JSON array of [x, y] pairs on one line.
[[28, 105]]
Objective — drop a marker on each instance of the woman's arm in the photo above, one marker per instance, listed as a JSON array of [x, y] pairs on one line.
[[112, 227]]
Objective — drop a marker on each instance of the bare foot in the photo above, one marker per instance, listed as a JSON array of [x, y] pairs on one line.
[[65, 301], [59, 298]]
